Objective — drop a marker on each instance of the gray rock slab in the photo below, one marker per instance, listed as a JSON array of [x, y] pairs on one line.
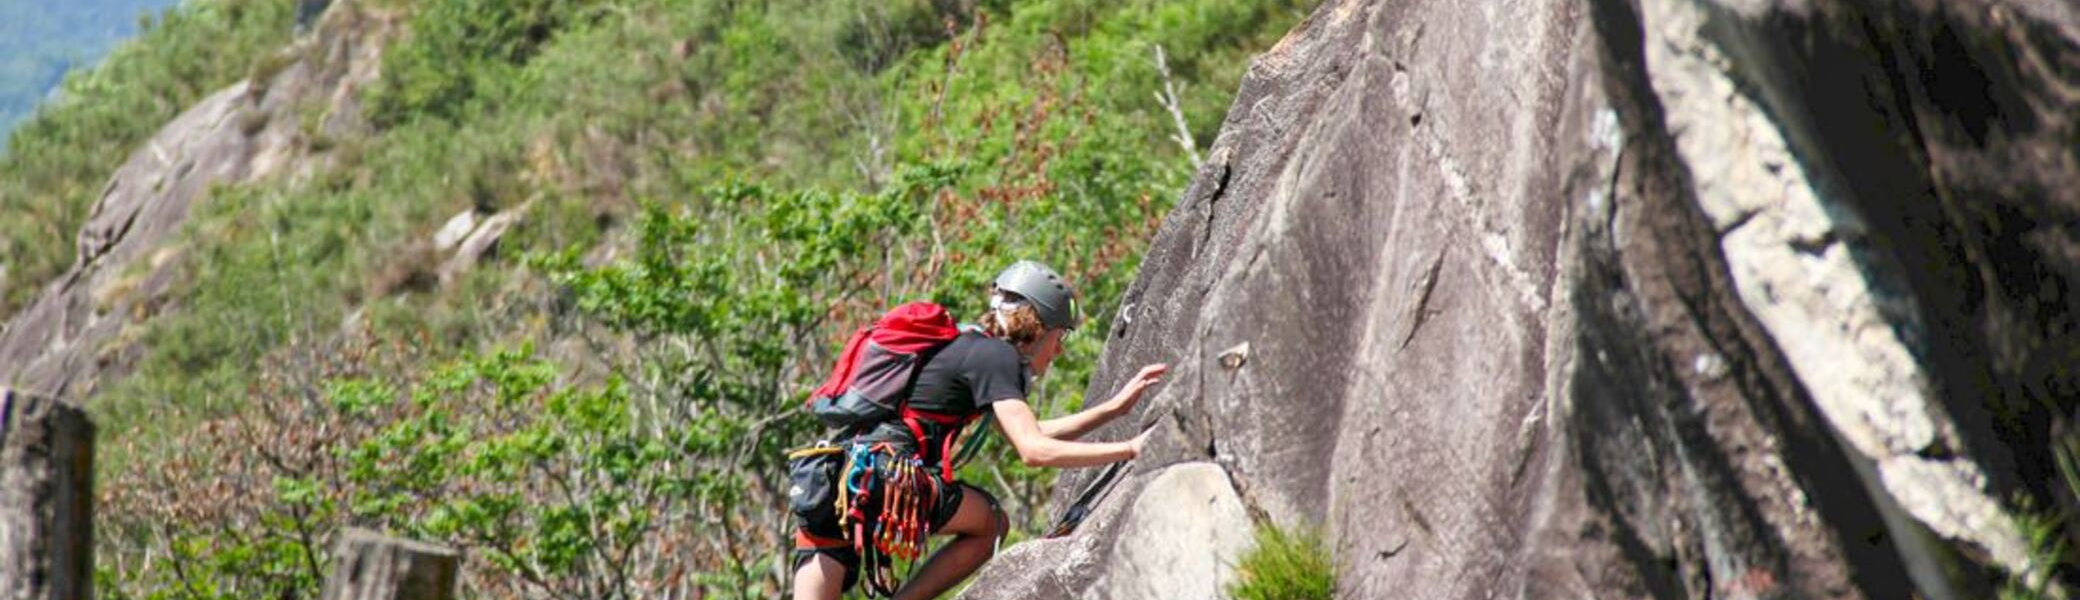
[[1182, 538], [1179, 537]]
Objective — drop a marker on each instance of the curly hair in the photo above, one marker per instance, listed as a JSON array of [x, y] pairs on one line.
[[1016, 322]]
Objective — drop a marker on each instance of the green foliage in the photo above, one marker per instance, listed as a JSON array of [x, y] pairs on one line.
[[59, 160], [242, 506], [558, 486], [679, 284], [458, 48], [2050, 552], [712, 194], [265, 278], [556, 490], [1285, 565]]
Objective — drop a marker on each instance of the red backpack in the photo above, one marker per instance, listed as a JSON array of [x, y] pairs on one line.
[[874, 373], [871, 382]]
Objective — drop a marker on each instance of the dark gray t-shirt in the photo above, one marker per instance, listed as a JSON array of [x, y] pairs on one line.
[[968, 374], [961, 380]]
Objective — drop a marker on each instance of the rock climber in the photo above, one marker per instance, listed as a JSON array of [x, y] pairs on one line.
[[877, 473]]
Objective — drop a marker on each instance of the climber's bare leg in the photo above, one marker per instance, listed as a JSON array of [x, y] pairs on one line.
[[977, 526], [819, 578]]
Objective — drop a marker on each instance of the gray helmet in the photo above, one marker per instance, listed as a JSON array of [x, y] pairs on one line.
[[1041, 286]]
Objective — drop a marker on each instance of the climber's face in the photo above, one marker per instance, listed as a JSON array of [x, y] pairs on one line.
[[1045, 349]]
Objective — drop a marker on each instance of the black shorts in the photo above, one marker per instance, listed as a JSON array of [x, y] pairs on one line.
[[816, 516]]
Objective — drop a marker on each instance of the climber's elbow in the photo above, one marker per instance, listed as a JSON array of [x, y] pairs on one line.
[[1038, 454]]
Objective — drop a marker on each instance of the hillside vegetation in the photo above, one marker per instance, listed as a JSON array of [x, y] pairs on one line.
[[710, 194], [58, 161]]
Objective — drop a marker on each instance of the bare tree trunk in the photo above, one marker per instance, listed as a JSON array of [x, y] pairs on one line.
[[369, 566], [46, 499]]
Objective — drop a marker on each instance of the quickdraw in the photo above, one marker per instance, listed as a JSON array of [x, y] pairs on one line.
[[884, 503]]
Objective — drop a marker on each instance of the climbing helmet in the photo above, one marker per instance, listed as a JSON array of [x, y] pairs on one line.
[[1044, 289]]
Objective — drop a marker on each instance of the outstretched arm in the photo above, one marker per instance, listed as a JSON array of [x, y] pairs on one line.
[[1074, 426], [1037, 449]]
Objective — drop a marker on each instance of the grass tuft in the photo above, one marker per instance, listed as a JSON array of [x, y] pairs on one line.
[[1285, 565], [2049, 553]]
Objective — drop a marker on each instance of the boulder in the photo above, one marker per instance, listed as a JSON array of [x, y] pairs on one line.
[[480, 243], [452, 232], [1182, 537]]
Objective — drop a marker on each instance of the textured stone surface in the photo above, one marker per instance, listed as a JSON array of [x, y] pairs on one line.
[[46, 499], [72, 337], [1182, 536], [369, 566], [481, 241], [1654, 298], [452, 232]]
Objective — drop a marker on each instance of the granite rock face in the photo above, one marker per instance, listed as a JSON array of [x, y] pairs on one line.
[[1620, 298], [1177, 534], [78, 332]]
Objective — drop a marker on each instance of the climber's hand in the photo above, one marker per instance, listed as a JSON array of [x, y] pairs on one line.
[[1139, 442], [1128, 396]]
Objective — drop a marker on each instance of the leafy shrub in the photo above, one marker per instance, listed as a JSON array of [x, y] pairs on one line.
[[459, 47], [552, 491], [1285, 565], [243, 505]]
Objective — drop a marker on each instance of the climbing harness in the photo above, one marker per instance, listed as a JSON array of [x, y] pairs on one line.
[[884, 503]]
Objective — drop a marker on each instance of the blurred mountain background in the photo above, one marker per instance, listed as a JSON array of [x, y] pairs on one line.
[[41, 40]]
